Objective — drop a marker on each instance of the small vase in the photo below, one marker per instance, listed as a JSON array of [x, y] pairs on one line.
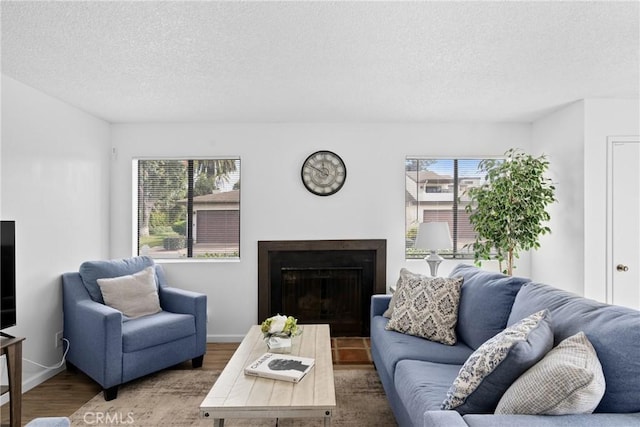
[[279, 344]]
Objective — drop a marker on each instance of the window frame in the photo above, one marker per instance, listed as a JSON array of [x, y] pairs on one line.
[[457, 252], [135, 232]]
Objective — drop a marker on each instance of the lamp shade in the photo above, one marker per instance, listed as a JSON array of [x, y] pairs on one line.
[[433, 236]]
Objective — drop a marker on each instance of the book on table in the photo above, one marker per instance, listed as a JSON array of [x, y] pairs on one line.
[[280, 367]]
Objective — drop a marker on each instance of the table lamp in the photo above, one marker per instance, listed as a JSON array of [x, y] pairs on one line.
[[433, 236]]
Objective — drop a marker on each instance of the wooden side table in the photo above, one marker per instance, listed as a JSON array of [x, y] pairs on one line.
[[12, 348]]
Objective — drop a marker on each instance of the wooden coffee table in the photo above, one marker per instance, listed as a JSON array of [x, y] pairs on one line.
[[236, 395]]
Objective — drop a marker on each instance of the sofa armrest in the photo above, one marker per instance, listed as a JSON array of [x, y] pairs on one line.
[[443, 419], [182, 301], [379, 304]]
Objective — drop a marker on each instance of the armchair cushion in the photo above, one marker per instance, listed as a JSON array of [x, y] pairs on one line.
[[160, 328], [91, 271], [135, 295]]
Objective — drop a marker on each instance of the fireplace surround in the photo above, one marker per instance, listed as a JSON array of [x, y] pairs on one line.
[[322, 281]]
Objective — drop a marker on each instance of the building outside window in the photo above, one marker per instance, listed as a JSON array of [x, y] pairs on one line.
[[435, 192], [188, 208]]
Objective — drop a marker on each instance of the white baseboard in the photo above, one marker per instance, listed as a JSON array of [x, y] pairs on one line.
[[225, 338], [33, 380]]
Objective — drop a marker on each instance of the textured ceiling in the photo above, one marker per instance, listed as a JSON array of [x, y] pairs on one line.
[[322, 61]]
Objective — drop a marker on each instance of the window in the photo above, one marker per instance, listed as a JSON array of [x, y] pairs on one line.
[[435, 192], [188, 208]]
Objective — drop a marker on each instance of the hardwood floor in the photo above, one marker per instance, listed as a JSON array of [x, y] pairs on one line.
[[66, 392]]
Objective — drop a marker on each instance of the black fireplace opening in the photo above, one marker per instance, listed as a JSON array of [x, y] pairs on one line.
[[325, 295], [331, 286]]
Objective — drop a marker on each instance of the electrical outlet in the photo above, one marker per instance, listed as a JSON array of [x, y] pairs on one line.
[[58, 339]]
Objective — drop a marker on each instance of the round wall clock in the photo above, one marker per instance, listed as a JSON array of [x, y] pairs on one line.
[[323, 173]]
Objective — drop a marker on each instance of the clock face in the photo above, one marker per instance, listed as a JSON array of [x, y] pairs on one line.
[[323, 173]]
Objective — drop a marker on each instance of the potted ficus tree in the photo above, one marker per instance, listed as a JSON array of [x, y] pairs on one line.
[[508, 212]]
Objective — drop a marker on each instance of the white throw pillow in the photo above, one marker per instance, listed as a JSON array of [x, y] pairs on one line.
[[135, 295], [496, 364], [568, 380]]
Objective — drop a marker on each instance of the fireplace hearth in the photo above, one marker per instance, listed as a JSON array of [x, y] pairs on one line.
[[321, 281]]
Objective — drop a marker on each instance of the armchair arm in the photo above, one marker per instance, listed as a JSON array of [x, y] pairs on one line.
[[94, 331], [379, 303], [187, 302], [99, 342], [178, 300]]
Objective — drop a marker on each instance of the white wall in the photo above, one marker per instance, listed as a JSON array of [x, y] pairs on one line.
[[72, 199], [274, 203], [603, 118], [573, 257], [560, 259], [55, 185]]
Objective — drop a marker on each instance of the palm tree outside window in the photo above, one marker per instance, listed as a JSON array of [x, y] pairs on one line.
[[188, 208]]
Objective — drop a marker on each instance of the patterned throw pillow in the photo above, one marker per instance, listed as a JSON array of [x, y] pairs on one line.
[[568, 380], [427, 307], [405, 276], [497, 363]]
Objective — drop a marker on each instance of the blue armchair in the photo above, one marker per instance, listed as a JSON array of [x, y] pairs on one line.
[[112, 348]]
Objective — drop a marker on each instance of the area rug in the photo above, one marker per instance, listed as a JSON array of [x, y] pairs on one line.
[[173, 397]]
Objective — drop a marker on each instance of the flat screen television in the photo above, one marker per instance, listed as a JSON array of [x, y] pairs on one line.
[[8, 274]]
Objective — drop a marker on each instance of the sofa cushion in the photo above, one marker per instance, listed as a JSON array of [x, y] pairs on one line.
[[613, 331], [496, 364], [427, 307], [568, 380], [422, 386], [135, 295], [159, 328], [485, 303], [580, 420], [393, 347], [91, 271]]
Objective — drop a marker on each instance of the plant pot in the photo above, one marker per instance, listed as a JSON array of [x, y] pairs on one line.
[[277, 344]]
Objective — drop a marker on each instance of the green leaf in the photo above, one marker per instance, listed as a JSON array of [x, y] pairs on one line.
[[507, 213]]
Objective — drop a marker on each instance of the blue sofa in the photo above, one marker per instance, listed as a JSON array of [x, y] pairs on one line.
[[112, 348], [417, 373]]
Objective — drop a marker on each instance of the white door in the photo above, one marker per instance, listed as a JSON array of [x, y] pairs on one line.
[[624, 222]]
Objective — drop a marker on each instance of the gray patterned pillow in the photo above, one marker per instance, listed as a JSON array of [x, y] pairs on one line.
[[568, 380], [497, 363], [405, 276], [427, 307]]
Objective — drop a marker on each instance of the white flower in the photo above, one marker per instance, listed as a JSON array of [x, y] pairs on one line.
[[277, 324]]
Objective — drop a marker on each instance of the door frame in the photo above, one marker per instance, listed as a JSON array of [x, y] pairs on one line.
[[611, 140]]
